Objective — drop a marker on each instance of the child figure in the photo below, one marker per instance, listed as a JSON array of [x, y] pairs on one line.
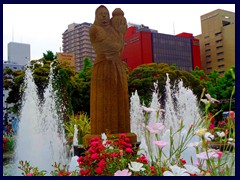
[[119, 22]]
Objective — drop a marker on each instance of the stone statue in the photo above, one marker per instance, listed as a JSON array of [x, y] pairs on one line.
[[109, 101]]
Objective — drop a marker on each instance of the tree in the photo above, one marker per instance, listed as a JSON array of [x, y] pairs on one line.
[[143, 77], [87, 64], [49, 56]]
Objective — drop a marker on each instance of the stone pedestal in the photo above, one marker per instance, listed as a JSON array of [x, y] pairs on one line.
[[131, 136]]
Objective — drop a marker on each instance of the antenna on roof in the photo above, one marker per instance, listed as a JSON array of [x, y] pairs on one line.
[[173, 28], [12, 33]]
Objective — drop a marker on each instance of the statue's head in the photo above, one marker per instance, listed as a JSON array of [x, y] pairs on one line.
[[102, 17]]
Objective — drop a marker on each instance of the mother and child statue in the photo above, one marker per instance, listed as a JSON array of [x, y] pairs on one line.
[[109, 98]]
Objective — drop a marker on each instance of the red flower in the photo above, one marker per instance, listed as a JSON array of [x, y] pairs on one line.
[[128, 150], [5, 140], [126, 139], [142, 159], [152, 168], [60, 174], [183, 161], [94, 156], [123, 135], [102, 164], [99, 170], [85, 172]]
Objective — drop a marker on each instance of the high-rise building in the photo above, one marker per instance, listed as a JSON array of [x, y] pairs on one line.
[[18, 53], [143, 45], [217, 41], [76, 40]]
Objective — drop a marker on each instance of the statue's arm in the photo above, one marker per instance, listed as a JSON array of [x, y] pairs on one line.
[[96, 34]]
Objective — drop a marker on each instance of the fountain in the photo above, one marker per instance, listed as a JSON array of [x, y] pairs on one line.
[[40, 138], [180, 105]]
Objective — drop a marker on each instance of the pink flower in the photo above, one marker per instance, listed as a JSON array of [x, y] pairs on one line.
[[160, 144], [124, 172], [60, 174], [207, 155], [219, 154], [154, 127], [29, 174], [128, 150], [211, 126]]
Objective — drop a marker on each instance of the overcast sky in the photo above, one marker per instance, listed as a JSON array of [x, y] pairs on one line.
[[42, 25]]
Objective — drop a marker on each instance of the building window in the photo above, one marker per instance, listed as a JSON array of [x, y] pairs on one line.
[[225, 23], [219, 47], [218, 33], [208, 62], [219, 41], [221, 66], [221, 72], [209, 68], [208, 56], [207, 50], [220, 54], [207, 44], [220, 60]]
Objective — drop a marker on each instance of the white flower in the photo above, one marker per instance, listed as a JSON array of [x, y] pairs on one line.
[[207, 155], [154, 127], [124, 172], [194, 144], [176, 171], [135, 166], [231, 139], [221, 134], [208, 136], [148, 109], [211, 99], [205, 101], [192, 169], [104, 138], [231, 143]]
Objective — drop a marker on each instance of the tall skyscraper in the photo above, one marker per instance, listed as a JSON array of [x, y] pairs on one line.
[[18, 53], [76, 40], [217, 41]]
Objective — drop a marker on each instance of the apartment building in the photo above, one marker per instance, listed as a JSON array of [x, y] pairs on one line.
[[76, 41]]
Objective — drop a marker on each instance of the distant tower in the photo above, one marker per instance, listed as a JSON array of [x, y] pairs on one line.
[[18, 53]]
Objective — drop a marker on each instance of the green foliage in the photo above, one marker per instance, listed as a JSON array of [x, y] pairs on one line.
[[198, 73], [221, 87], [83, 125], [29, 170], [10, 144], [64, 90]]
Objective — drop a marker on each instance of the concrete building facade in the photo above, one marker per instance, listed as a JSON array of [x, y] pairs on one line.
[[76, 40], [217, 41], [143, 45]]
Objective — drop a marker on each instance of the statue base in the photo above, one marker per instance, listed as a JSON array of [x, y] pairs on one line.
[[131, 136]]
